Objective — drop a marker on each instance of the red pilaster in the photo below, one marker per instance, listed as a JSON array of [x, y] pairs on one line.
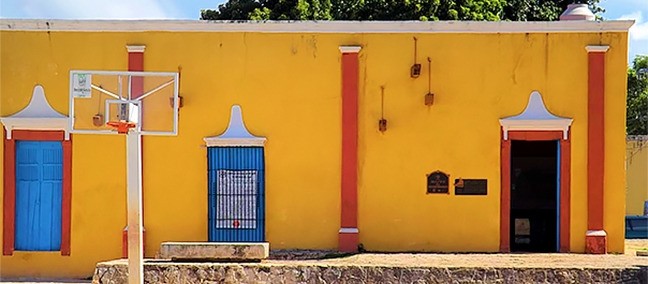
[[505, 195], [66, 214], [565, 194], [135, 63], [596, 238], [9, 196], [348, 234]]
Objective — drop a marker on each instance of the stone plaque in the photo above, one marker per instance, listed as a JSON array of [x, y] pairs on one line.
[[437, 182], [471, 186]]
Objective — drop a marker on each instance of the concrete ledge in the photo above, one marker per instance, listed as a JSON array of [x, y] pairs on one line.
[[231, 252]]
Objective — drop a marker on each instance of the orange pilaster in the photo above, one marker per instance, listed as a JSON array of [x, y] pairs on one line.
[[348, 234], [505, 196], [9, 196], [596, 238]]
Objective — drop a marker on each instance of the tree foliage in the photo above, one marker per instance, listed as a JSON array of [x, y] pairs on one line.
[[394, 10], [637, 101]]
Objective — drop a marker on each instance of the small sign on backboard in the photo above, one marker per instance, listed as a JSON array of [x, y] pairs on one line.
[[81, 85]]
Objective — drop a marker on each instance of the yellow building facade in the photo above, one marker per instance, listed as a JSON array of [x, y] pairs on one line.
[[637, 171], [333, 178]]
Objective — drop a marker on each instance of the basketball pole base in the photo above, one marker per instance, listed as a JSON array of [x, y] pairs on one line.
[[134, 202]]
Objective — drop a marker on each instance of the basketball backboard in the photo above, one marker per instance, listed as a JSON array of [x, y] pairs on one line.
[[146, 100]]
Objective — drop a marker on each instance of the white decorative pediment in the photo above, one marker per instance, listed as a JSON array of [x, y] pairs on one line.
[[536, 117], [38, 115], [236, 134]]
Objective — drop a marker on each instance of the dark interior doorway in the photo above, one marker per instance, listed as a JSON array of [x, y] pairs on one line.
[[534, 196]]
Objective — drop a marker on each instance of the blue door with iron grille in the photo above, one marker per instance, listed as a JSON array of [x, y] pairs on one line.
[[236, 194], [39, 191]]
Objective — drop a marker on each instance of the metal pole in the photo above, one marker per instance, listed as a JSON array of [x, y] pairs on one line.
[[134, 196]]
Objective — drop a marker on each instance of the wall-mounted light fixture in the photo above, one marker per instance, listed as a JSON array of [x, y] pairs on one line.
[[180, 100], [415, 71], [429, 97], [180, 103], [98, 119], [382, 123]]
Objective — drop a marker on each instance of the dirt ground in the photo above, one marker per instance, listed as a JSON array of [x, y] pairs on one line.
[[631, 246]]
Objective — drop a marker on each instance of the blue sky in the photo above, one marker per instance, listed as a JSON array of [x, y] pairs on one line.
[[190, 9]]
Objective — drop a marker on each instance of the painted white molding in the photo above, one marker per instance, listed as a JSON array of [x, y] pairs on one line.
[[535, 117], [577, 12], [597, 48], [236, 133], [596, 233], [37, 115], [349, 230], [350, 49], [136, 48], [317, 26]]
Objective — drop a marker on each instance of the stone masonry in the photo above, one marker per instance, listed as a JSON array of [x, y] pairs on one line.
[[395, 268]]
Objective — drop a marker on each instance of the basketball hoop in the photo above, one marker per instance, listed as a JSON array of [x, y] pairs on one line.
[[121, 126]]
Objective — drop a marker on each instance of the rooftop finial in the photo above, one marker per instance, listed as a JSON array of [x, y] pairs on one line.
[[577, 12]]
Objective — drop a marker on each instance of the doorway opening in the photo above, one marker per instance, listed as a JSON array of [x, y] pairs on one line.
[[534, 225]]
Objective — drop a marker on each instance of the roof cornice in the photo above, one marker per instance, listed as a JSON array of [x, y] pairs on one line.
[[314, 26]]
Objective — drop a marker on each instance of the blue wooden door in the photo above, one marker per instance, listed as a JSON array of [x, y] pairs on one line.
[[39, 189], [236, 194]]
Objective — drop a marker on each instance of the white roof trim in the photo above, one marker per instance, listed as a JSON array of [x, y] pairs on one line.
[[38, 115], [536, 117], [236, 133], [315, 26]]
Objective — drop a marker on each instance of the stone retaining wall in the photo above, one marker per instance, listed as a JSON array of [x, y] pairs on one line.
[[115, 272]]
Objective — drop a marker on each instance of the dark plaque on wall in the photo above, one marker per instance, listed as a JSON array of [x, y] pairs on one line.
[[471, 186], [437, 182]]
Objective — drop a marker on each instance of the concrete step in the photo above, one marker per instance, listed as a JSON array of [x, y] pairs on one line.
[[219, 252]]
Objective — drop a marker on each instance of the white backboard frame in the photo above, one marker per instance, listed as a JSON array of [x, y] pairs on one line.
[[128, 98]]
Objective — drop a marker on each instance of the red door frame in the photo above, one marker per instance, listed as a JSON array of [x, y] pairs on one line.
[[9, 192], [565, 175]]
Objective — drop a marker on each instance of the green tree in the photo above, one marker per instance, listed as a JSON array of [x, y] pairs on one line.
[[637, 101], [270, 10], [394, 10]]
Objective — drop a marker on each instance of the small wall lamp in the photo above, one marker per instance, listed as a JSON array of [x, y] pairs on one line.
[[180, 102], [415, 71], [382, 123], [180, 99], [429, 97]]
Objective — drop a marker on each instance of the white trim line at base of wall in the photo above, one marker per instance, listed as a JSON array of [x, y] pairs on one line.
[[349, 230], [596, 233]]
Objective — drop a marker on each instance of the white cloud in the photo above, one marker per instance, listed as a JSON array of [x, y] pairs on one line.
[[103, 9], [639, 31]]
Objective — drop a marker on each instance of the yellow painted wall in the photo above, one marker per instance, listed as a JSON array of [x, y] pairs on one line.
[[289, 88], [637, 172]]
